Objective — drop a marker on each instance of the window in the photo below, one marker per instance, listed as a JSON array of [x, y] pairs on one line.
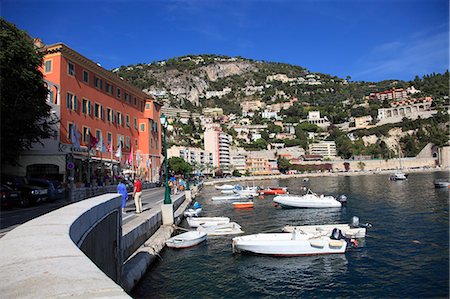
[[86, 76], [85, 106], [142, 106], [127, 121], [135, 142], [142, 129], [135, 101], [135, 123], [119, 119], [127, 142], [147, 106], [70, 69], [86, 131], [48, 66], [120, 139], [98, 83], [71, 102], [127, 98], [90, 109], [118, 92], [109, 138], [108, 115], [109, 88], [69, 130], [97, 110], [98, 135]]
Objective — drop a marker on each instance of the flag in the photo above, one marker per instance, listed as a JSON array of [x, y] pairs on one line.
[[92, 141], [130, 157], [119, 151], [110, 148], [75, 137], [138, 158], [100, 145]]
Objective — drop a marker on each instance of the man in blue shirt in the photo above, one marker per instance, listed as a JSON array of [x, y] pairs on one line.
[[122, 189]]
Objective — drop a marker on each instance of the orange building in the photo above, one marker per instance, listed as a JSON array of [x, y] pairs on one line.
[[96, 101]]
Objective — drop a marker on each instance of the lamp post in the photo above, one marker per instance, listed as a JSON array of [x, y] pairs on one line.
[[167, 199]]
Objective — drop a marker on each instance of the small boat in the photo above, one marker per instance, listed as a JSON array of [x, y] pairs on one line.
[[206, 221], [290, 244], [194, 211], [398, 176], [309, 200], [227, 191], [278, 188], [187, 239], [305, 180], [224, 187], [441, 183], [274, 191], [325, 230], [243, 204], [230, 197], [247, 192], [231, 228]]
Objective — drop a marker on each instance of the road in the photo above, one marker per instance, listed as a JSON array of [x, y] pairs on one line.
[[11, 218]]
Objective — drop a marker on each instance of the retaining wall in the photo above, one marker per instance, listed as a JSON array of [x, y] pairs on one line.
[[42, 258]]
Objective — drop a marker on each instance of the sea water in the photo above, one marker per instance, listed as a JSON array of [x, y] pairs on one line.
[[405, 253]]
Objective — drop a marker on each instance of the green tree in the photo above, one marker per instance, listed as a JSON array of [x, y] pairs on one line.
[[25, 114], [177, 165], [284, 165]]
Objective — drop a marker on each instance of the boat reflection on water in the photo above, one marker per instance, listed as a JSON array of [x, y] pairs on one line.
[[290, 276]]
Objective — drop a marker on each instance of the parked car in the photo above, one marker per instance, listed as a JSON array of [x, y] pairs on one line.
[[54, 188], [10, 197], [30, 194]]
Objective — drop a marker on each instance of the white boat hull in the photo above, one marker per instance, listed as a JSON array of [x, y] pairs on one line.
[[231, 228], [186, 240], [325, 230], [207, 221], [230, 197], [224, 187], [307, 201], [192, 212], [287, 244], [227, 191]]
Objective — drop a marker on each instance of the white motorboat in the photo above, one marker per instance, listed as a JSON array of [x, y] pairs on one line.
[[247, 192], [187, 239], [398, 176], [227, 191], [230, 197], [309, 200], [325, 230], [288, 244], [439, 183], [206, 221], [224, 187], [231, 228], [192, 212]]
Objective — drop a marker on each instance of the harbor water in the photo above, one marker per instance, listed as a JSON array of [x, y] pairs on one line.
[[405, 253]]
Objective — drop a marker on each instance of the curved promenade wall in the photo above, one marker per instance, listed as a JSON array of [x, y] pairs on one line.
[[47, 256]]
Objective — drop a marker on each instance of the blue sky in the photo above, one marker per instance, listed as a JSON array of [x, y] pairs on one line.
[[366, 39]]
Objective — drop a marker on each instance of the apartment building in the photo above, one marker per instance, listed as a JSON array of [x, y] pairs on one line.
[[326, 149], [218, 143], [394, 94], [200, 159], [91, 101]]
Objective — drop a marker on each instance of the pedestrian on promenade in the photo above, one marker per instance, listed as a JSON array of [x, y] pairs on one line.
[[122, 189], [137, 194]]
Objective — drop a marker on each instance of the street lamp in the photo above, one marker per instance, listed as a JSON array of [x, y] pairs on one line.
[[167, 199]]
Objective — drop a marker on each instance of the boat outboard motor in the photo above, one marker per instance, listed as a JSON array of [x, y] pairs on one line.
[[336, 234], [355, 223]]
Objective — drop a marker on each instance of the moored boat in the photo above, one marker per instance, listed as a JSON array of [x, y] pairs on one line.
[[231, 228], [224, 187], [187, 239], [192, 212], [325, 230], [289, 244], [273, 191], [309, 200], [206, 221], [441, 183], [398, 176], [230, 197], [243, 204]]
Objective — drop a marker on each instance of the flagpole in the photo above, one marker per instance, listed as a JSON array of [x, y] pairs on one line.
[[132, 165], [112, 165], [89, 160]]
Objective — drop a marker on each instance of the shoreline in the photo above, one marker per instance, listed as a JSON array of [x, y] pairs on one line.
[[318, 174]]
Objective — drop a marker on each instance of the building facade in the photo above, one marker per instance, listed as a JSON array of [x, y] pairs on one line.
[[218, 143], [201, 160], [326, 149], [93, 103]]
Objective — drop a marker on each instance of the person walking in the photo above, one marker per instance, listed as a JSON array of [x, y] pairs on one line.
[[137, 194], [122, 189]]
